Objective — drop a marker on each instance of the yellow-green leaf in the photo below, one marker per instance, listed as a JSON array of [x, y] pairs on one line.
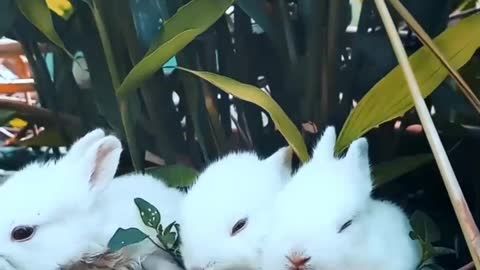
[[38, 14], [390, 97], [257, 96], [190, 21]]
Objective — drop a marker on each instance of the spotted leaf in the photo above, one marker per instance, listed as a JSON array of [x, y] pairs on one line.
[[149, 213]]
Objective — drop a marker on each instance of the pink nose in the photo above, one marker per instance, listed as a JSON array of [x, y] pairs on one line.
[[298, 262]]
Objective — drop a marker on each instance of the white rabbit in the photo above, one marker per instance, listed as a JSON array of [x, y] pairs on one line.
[[325, 218], [57, 214], [225, 214]]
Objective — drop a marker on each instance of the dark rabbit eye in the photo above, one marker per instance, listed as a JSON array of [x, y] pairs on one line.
[[239, 226], [22, 233], [346, 225]]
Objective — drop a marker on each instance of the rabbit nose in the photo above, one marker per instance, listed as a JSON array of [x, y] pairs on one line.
[[298, 262]]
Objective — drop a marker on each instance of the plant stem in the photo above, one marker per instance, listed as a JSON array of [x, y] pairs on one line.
[[464, 216], [167, 250]]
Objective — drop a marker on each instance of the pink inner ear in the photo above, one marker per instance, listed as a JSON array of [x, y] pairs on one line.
[[102, 154]]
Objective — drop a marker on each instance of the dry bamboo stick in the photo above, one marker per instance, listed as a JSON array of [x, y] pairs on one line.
[[464, 216]]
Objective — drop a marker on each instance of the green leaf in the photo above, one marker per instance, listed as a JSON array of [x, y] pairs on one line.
[[259, 97], [149, 213], [388, 171], [169, 239], [125, 237], [177, 33], [178, 176], [38, 13], [390, 97], [168, 229], [424, 227], [49, 137]]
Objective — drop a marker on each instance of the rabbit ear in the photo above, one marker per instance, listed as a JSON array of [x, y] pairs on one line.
[[101, 160], [77, 150], [326, 145], [282, 157], [358, 151]]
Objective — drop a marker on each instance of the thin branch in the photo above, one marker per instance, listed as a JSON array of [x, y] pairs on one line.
[[39, 115], [427, 41], [464, 216]]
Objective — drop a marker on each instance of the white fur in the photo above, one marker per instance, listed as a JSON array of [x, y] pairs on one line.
[[237, 186], [323, 195], [76, 206]]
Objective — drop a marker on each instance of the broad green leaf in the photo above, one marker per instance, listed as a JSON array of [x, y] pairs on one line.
[[390, 97], [149, 213], [424, 227], [257, 96], [177, 176], [125, 237], [50, 137], [388, 171], [177, 32], [8, 12], [38, 14], [62, 8]]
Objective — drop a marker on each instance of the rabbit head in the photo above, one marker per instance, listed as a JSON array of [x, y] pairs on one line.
[[225, 214], [316, 214], [45, 221]]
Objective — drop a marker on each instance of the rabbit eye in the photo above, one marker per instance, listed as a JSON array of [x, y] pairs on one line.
[[346, 225], [22, 233], [239, 226]]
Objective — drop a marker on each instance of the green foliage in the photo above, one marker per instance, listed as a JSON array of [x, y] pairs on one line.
[[177, 33], [168, 236], [392, 91], [252, 94], [38, 14], [177, 176], [150, 215], [390, 170], [426, 232], [126, 237], [235, 86]]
